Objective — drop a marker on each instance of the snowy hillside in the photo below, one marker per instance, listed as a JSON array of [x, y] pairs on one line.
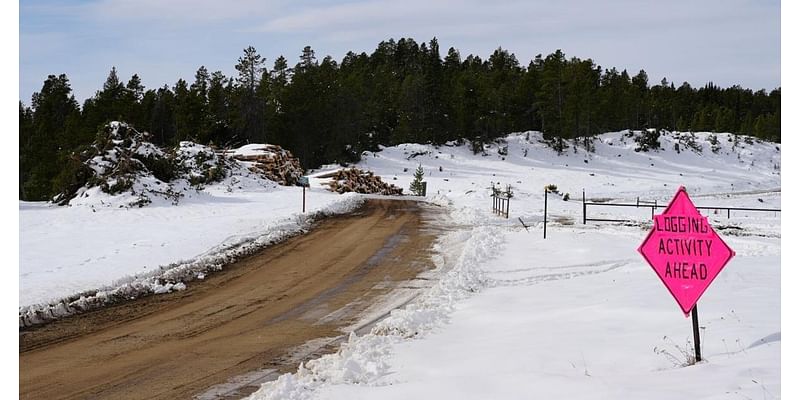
[[578, 315], [613, 170]]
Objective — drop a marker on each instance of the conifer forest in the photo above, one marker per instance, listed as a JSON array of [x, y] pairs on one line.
[[327, 111]]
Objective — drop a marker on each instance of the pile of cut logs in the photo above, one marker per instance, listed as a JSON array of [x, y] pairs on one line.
[[356, 180], [276, 163]]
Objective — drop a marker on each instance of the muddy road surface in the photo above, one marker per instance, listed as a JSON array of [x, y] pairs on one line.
[[249, 317]]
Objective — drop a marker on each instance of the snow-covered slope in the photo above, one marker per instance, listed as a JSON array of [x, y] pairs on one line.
[[613, 170]]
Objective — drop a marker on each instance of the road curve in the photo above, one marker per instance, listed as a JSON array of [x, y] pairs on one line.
[[243, 319]]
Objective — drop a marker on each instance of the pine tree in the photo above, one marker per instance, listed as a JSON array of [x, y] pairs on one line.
[[198, 106], [251, 110], [131, 109], [51, 130], [184, 127], [307, 59], [250, 67], [218, 117], [416, 185]]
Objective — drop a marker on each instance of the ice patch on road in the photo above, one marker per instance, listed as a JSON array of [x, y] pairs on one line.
[[364, 359]]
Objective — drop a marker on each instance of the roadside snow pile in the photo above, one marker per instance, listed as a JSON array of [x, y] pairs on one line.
[[122, 169], [356, 180], [364, 360], [174, 277]]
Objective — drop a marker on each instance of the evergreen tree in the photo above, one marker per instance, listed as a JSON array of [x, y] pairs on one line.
[[51, 129], [198, 106], [552, 94], [416, 187], [185, 125], [250, 109], [132, 101], [250, 67], [307, 58], [26, 133], [161, 116], [273, 94], [218, 117]]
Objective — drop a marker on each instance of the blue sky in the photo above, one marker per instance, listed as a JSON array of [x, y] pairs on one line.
[[727, 42]]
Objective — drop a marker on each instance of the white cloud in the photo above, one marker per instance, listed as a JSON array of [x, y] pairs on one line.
[[729, 42], [181, 11]]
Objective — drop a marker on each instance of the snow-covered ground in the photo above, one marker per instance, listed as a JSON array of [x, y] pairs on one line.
[[68, 250], [578, 315]]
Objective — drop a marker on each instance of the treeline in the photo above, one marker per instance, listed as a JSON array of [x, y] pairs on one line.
[[330, 112]]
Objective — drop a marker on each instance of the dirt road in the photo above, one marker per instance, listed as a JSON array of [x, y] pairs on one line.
[[244, 319]]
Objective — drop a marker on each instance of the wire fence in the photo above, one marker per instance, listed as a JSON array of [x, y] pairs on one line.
[[653, 205]]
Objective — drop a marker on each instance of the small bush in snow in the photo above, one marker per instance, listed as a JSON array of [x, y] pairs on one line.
[[476, 146], [417, 154], [679, 356], [714, 143], [648, 140], [556, 143]]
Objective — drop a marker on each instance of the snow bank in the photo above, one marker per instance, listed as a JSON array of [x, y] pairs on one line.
[[167, 278], [363, 359]]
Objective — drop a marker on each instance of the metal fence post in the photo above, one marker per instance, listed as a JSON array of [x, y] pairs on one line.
[[696, 332], [584, 206]]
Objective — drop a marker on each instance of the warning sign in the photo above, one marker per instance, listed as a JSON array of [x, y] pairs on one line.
[[685, 251]]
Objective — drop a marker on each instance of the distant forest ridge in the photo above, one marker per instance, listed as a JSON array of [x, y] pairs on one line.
[[330, 112]]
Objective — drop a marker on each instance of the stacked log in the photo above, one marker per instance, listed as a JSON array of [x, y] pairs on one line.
[[275, 163], [359, 181]]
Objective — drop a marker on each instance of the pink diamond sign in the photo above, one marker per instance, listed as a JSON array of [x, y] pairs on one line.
[[685, 251]]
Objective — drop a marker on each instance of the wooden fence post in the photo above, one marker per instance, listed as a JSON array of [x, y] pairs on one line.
[[545, 214]]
